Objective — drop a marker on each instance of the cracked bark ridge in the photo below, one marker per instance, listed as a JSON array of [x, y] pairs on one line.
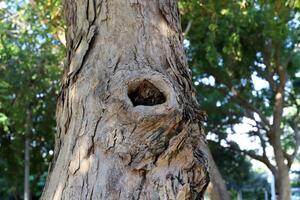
[[128, 124]]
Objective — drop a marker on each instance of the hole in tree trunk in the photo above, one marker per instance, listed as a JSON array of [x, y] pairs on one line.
[[145, 93]]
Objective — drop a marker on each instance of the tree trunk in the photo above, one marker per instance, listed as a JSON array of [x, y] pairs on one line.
[[27, 156], [27, 170], [129, 126], [282, 172], [216, 189], [266, 194], [282, 181], [240, 195]]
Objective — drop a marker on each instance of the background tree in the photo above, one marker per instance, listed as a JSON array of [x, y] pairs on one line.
[[235, 47], [238, 174], [30, 66]]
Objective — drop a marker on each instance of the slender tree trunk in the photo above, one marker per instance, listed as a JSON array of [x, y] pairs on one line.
[[284, 184], [129, 126], [27, 156], [282, 181], [282, 176], [217, 188], [266, 194], [281, 172], [239, 195], [27, 170]]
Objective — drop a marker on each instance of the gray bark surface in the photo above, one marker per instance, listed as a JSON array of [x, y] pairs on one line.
[[128, 124]]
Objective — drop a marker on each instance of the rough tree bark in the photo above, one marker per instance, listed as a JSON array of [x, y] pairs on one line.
[[129, 126]]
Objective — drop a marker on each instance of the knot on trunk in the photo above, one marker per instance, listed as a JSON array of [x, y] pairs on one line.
[[145, 93]]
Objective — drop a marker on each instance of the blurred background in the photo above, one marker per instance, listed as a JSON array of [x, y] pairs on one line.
[[243, 54]]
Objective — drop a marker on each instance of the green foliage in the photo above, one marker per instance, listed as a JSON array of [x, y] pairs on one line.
[[30, 67], [293, 3], [235, 167], [235, 50], [231, 42], [237, 171]]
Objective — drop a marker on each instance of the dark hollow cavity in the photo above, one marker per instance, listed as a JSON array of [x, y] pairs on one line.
[[145, 93]]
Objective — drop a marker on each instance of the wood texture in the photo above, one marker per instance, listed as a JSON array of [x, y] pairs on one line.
[[128, 124]]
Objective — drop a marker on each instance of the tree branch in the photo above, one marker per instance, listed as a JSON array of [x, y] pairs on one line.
[[243, 103], [187, 29], [262, 158], [267, 62]]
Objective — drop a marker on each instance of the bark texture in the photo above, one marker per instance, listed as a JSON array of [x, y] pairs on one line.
[[129, 126]]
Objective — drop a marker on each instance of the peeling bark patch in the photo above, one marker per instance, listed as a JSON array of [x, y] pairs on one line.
[[145, 93]]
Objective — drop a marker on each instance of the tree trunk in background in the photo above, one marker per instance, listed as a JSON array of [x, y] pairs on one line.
[[129, 126], [240, 195], [27, 155], [216, 189], [282, 181], [282, 178], [27, 169]]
